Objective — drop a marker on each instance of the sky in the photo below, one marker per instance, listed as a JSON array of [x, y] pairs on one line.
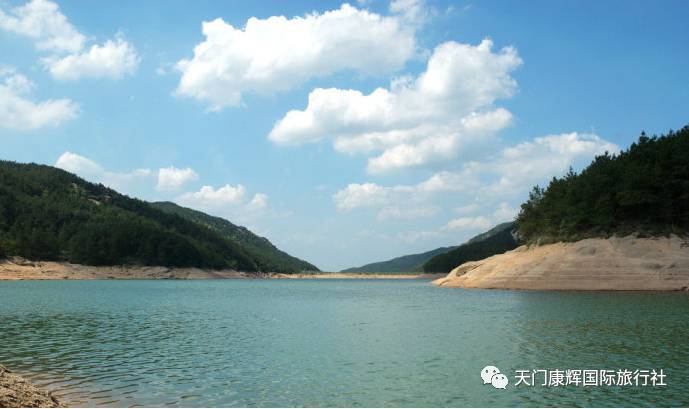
[[346, 133]]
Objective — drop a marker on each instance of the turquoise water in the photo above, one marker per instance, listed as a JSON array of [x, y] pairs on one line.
[[334, 342]]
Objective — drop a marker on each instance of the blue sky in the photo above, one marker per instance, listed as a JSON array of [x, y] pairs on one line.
[[344, 134]]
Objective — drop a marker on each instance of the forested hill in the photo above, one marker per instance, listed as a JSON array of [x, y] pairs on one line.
[[408, 263], [441, 260], [497, 240], [269, 257], [643, 189], [50, 214]]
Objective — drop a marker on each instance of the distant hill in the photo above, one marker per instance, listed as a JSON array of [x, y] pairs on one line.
[[260, 249], [497, 240], [494, 241], [403, 264], [50, 214], [644, 189]]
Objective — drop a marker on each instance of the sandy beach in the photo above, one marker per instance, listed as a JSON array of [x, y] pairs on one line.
[[616, 263], [379, 276], [17, 392], [17, 268]]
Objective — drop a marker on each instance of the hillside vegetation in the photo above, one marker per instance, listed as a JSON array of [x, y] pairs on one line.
[[497, 240], [260, 249], [643, 189], [403, 264], [49, 214]]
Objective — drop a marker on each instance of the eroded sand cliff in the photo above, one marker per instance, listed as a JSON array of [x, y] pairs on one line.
[[616, 263]]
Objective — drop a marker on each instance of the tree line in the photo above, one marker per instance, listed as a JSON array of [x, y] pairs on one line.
[[643, 189], [50, 214]]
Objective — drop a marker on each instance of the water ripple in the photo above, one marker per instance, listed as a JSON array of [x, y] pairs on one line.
[[332, 343]]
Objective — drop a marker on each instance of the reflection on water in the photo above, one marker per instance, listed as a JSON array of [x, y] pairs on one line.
[[333, 343]]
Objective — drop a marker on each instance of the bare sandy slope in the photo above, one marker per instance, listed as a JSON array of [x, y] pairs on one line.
[[16, 392], [617, 263], [19, 269]]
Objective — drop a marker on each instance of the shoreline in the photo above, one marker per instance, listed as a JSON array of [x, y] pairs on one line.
[[357, 276], [626, 263], [17, 269], [17, 392]]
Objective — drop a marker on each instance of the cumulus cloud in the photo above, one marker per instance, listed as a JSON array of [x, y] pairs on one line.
[[531, 162], [209, 197], [113, 59], [172, 178], [415, 121], [469, 223], [279, 53], [19, 112], [94, 172], [227, 201], [42, 21], [493, 187], [165, 180], [79, 165]]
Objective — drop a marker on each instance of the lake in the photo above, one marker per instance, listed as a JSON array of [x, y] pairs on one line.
[[335, 343]]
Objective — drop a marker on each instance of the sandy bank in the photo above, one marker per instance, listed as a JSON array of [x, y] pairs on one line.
[[358, 276], [17, 392], [617, 263], [19, 269]]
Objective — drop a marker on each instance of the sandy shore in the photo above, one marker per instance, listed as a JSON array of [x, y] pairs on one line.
[[19, 269], [617, 263], [359, 276], [17, 392]]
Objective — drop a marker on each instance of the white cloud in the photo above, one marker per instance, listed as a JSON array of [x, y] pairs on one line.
[[42, 21], [79, 165], [230, 202], [491, 189], [505, 213], [226, 201], [532, 162], [357, 195], [18, 112], [113, 59], [172, 178], [469, 223], [467, 209], [413, 11], [399, 212], [514, 169], [416, 121], [94, 172], [209, 197], [128, 181], [259, 201], [279, 53]]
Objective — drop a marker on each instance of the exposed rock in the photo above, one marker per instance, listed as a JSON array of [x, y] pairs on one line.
[[17, 392], [616, 263]]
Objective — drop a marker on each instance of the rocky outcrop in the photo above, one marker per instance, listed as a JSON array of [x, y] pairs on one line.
[[17, 392]]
